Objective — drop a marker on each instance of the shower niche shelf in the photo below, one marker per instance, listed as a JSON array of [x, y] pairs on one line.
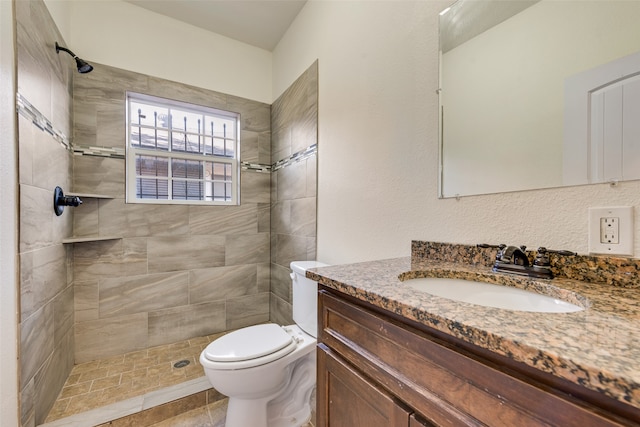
[[86, 239], [89, 196]]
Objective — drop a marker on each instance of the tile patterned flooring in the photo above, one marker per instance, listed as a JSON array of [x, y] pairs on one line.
[[103, 382], [211, 415]]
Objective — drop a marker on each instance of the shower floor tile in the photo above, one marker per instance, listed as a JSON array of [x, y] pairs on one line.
[[103, 382], [211, 415]]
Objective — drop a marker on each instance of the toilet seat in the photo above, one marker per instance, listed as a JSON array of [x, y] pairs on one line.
[[250, 346]]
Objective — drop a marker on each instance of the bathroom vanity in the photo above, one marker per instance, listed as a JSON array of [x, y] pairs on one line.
[[391, 356]]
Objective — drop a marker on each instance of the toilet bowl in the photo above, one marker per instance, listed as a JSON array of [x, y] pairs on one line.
[[268, 371]]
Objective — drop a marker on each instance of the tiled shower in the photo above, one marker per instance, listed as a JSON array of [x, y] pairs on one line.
[[162, 274]]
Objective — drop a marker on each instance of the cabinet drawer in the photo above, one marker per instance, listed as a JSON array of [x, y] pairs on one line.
[[445, 384]]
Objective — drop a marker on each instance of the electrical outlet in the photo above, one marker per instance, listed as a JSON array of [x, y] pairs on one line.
[[611, 230]]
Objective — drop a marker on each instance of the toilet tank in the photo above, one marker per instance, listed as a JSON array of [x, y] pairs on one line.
[[305, 296]]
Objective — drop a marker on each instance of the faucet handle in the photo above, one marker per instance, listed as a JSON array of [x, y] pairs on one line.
[[552, 251], [542, 258], [501, 246]]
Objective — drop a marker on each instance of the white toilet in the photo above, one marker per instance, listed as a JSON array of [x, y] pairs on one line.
[[269, 371]]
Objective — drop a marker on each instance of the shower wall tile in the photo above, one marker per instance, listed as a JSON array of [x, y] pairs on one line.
[[36, 218], [110, 258], [52, 376], [247, 249], [52, 165], [177, 265], [254, 147], [312, 177], [186, 93], [140, 294], [294, 116], [228, 220], [249, 151], [34, 77], [303, 217], [185, 253], [46, 296], [281, 282], [281, 214], [264, 277], [194, 320], [264, 218], [85, 222], [281, 312], [255, 187], [283, 146], [312, 246], [247, 310], [63, 317], [43, 275], [136, 220], [97, 339], [214, 284], [98, 175], [255, 116], [291, 248], [36, 342], [26, 149], [294, 129], [85, 121], [27, 405], [86, 300], [292, 181], [274, 188], [111, 122]]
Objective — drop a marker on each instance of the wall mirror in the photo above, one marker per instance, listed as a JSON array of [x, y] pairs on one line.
[[538, 94]]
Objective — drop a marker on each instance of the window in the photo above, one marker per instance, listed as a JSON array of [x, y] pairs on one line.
[[179, 153]]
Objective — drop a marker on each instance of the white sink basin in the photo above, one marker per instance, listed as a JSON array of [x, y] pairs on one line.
[[490, 295]]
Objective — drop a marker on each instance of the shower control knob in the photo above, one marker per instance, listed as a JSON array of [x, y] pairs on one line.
[[60, 201]]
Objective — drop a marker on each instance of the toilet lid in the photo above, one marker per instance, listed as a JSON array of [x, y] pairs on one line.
[[248, 343]]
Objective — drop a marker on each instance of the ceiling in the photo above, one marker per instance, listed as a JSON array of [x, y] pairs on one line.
[[260, 23], [466, 19]]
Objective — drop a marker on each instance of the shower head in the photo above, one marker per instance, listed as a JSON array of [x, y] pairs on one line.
[[83, 66]]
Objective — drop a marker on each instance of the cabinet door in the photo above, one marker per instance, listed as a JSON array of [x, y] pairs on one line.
[[347, 399]]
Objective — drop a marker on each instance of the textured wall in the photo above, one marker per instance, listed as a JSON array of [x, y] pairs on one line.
[[294, 126], [179, 271], [163, 47], [46, 291]]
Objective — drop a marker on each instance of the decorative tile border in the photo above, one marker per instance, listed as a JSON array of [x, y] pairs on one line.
[[295, 158], [111, 152], [255, 167], [27, 110]]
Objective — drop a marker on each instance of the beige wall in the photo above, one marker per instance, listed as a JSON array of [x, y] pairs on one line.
[[122, 35], [46, 291], [179, 271], [378, 133]]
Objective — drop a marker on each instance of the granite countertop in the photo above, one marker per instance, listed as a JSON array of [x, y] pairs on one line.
[[598, 348]]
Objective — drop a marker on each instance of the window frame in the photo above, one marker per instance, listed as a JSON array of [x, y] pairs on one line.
[[132, 152]]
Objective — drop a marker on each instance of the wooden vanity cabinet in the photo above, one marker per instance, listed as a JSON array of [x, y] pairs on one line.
[[375, 369]]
